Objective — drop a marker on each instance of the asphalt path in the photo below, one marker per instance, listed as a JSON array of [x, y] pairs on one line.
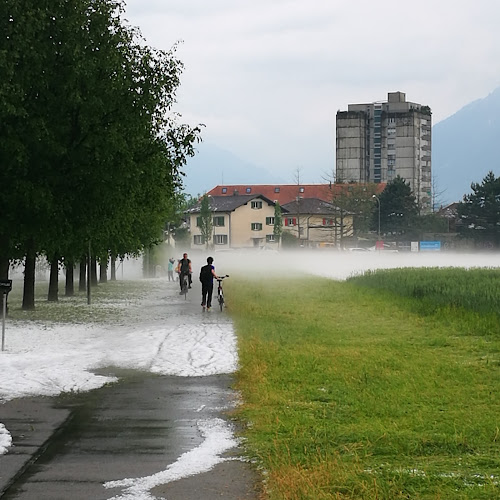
[[68, 447]]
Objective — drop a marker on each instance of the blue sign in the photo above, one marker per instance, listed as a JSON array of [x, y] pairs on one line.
[[430, 246]]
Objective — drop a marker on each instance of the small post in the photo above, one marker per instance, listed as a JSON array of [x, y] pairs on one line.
[[5, 288]]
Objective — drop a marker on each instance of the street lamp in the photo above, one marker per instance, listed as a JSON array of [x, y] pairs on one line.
[[378, 202]]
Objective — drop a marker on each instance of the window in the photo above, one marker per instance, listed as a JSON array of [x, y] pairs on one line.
[[198, 221], [276, 189], [290, 221], [256, 204], [198, 239], [269, 221], [220, 239], [248, 190], [224, 190], [256, 226], [327, 222], [218, 221], [270, 238]]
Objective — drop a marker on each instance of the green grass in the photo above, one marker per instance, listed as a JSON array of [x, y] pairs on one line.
[[351, 393]]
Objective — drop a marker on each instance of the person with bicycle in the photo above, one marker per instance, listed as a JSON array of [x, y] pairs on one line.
[[207, 275], [185, 270]]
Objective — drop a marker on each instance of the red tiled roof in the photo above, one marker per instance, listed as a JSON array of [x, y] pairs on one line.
[[283, 193]]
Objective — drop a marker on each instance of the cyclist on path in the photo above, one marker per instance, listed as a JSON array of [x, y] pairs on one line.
[[185, 268], [207, 275]]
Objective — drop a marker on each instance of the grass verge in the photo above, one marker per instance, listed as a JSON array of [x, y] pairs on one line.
[[350, 394]]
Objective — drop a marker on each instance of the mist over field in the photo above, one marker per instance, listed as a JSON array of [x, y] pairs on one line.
[[336, 265]]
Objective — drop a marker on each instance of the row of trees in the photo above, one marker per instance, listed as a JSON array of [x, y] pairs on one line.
[[361, 210], [91, 153], [395, 213]]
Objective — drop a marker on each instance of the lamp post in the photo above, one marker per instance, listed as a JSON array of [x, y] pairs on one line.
[[378, 202]]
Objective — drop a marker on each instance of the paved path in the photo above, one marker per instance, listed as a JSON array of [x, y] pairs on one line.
[[68, 447]]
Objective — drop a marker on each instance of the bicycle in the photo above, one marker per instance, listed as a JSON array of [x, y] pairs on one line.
[[220, 293], [185, 285]]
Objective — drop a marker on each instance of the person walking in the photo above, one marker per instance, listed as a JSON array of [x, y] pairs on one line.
[[185, 269], [207, 275], [170, 269]]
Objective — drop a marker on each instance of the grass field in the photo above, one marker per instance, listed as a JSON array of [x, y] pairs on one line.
[[357, 390]]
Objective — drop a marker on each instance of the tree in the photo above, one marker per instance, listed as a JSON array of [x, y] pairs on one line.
[[398, 209], [90, 151], [350, 199], [278, 223], [206, 224], [479, 212], [351, 208]]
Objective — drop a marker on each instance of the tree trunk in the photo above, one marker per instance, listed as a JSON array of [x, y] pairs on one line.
[[29, 278], [93, 272], [53, 295], [103, 272], [113, 268], [82, 283], [70, 279], [4, 268]]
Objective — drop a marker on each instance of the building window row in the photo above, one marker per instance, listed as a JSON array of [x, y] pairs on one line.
[[218, 221], [219, 239]]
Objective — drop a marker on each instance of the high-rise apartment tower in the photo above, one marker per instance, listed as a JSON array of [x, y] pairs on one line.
[[377, 142]]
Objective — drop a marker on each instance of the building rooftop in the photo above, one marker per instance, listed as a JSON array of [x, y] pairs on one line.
[[283, 193], [229, 203]]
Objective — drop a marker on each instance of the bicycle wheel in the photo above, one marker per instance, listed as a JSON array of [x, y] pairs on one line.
[[221, 301]]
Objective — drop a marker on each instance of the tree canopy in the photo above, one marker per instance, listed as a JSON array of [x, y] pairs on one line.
[[479, 211], [398, 208], [205, 220], [90, 147], [278, 222]]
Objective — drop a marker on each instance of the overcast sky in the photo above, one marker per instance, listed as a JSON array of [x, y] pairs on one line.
[[267, 77]]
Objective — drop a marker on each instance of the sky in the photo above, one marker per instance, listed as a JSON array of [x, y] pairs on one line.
[[40, 359], [267, 78]]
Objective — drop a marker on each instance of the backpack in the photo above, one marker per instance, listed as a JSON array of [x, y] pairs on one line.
[[206, 273]]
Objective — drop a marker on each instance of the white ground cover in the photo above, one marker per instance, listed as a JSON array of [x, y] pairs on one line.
[[51, 359]]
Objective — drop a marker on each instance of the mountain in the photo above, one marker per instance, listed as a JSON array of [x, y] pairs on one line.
[[212, 166], [466, 146]]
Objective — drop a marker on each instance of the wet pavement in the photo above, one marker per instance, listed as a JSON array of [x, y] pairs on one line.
[[69, 446]]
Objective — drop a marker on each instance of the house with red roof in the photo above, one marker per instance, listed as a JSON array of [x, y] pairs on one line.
[[286, 193]]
